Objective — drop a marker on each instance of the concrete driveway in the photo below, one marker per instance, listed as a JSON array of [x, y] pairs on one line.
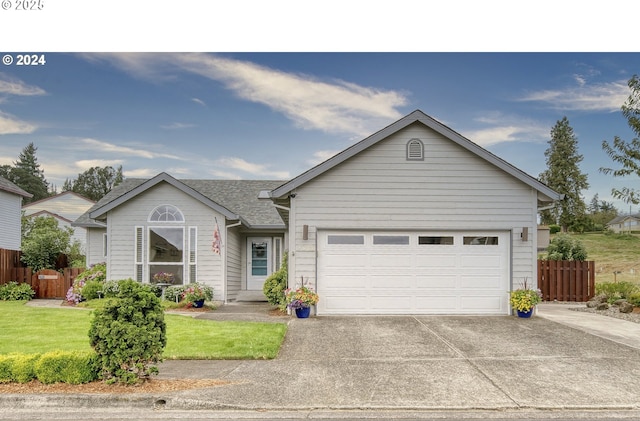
[[427, 362]]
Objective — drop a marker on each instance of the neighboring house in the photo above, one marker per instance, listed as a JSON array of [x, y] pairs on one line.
[[415, 219], [65, 207], [10, 214], [625, 223]]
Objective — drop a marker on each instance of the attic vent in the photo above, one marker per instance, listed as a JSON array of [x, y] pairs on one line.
[[415, 150]]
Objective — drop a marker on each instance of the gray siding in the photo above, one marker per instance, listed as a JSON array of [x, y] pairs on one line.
[[94, 249], [123, 220], [10, 220], [452, 189], [233, 249]]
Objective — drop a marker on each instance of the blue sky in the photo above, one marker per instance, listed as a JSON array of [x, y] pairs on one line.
[[264, 115]]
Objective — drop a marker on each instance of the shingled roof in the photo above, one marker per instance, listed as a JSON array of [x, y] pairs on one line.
[[236, 199], [8, 186]]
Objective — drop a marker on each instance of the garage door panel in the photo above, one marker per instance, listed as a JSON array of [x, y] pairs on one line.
[[481, 282], [436, 281], [431, 261], [422, 274], [391, 282]]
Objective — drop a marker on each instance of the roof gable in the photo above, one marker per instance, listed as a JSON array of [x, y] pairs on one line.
[[419, 117], [162, 178], [8, 186]]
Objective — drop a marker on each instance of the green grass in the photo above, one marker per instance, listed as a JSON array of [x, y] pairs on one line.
[[613, 253], [28, 330]]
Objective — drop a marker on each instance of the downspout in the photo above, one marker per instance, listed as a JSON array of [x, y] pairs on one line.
[[224, 257]]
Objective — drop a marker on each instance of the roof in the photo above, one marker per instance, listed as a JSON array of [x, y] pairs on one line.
[[47, 213], [235, 199], [548, 195], [8, 186], [621, 218], [69, 205]]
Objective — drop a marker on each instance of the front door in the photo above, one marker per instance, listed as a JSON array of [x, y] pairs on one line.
[[258, 261]]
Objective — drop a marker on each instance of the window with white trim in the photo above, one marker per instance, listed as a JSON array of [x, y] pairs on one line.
[[166, 213], [415, 150], [166, 253]]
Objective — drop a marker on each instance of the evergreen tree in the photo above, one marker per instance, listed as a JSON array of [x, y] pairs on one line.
[[27, 175], [627, 153], [95, 182], [564, 176]]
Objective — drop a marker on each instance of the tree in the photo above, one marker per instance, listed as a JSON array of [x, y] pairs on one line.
[[95, 182], [564, 176], [627, 153], [600, 213], [27, 175], [43, 241]]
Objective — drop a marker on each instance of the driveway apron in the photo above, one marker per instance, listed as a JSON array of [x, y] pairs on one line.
[[435, 362]]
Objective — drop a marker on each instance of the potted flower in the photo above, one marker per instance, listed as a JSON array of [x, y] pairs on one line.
[[194, 295], [164, 278], [301, 300], [523, 300]]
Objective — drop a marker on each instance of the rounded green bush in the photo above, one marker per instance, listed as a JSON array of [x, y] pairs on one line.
[[14, 291], [129, 334], [23, 370], [6, 362], [275, 285], [92, 290]]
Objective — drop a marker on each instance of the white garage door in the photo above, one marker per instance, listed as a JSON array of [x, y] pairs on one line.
[[413, 272]]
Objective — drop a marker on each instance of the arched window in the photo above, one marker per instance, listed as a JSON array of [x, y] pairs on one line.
[[166, 213], [415, 150]]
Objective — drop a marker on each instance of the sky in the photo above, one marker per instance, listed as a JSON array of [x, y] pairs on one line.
[[264, 109]]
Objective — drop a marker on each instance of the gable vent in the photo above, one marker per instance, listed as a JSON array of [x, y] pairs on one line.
[[415, 150]]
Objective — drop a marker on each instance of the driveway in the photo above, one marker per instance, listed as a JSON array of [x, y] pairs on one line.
[[427, 362]]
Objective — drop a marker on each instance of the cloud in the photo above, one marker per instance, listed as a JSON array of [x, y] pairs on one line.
[[251, 168], [506, 129], [101, 146], [199, 101], [13, 86], [12, 125], [332, 106], [607, 97], [320, 156], [140, 173], [85, 164], [176, 125]]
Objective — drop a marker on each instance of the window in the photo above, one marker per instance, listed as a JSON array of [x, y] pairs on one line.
[[395, 240], [415, 150], [166, 213], [166, 252], [345, 239], [480, 241], [434, 240]]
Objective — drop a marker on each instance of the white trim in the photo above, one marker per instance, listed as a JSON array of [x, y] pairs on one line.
[[138, 252], [167, 205]]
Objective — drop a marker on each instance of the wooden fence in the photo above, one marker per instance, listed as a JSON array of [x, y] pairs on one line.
[[565, 280], [48, 283]]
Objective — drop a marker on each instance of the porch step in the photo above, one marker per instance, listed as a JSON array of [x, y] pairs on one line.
[[252, 296]]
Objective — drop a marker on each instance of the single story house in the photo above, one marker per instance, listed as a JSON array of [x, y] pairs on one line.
[[65, 208], [414, 219], [11, 214], [625, 223]]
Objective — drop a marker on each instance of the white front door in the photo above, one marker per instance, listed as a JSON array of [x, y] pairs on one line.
[[258, 261]]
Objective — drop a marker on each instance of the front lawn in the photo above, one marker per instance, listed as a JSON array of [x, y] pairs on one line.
[[25, 329]]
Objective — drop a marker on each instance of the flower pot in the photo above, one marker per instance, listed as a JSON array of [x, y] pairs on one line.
[[303, 312], [198, 303], [525, 314]]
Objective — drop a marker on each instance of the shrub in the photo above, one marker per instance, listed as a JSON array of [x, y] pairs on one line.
[[129, 334], [553, 229], [275, 285], [110, 289], [563, 247], [174, 293], [52, 367], [634, 298], [616, 290], [14, 291], [96, 276], [92, 290], [66, 367]]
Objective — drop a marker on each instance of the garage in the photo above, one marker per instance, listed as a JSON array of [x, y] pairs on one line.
[[406, 272]]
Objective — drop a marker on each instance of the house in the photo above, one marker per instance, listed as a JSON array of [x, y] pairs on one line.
[[625, 223], [10, 214], [414, 219], [65, 207]]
